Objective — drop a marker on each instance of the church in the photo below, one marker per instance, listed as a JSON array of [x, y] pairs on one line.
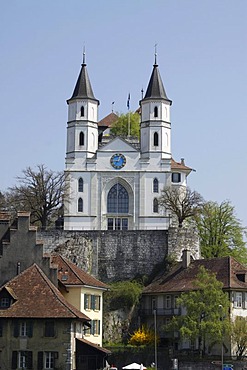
[[114, 183]]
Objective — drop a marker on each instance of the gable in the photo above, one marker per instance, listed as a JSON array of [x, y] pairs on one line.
[[117, 144]]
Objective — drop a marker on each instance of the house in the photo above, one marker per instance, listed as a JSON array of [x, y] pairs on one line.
[[43, 322], [161, 295], [84, 292], [114, 183]]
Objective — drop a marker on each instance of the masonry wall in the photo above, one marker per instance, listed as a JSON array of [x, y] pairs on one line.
[[119, 255]]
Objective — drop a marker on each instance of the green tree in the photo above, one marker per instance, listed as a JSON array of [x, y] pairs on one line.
[[122, 294], [182, 202], [40, 192], [239, 336], [127, 125], [205, 307], [220, 232]]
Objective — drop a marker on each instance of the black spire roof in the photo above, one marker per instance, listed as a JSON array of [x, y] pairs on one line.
[[83, 88], [155, 88]]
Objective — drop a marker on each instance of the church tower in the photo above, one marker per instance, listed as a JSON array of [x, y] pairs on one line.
[[155, 119], [82, 134]]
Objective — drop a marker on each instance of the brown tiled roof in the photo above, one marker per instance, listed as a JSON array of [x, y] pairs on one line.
[[181, 279], [36, 297], [74, 275], [179, 166], [84, 341], [108, 120]]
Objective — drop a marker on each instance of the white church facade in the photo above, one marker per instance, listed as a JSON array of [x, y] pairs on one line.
[[115, 183]]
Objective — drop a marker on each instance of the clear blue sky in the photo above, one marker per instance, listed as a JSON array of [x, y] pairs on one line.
[[202, 56]]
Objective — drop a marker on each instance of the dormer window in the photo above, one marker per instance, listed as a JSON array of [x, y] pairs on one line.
[[155, 112], [82, 111], [4, 302], [156, 139], [81, 139]]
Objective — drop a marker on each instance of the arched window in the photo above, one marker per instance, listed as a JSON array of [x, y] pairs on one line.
[[155, 205], [80, 185], [118, 200], [82, 111], [155, 112], [156, 139], [81, 138], [80, 205], [156, 185]]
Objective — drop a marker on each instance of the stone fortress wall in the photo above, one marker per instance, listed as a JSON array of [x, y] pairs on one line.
[[120, 255]]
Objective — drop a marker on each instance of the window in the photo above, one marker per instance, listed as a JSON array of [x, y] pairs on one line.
[[156, 185], [155, 112], [80, 205], [82, 111], [92, 302], [49, 360], [156, 139], [49, 329], [117, 223], [168, 301], [23, 329], [95, 327], [176, 177], [155, 205], [80, 185], [5, 302], [81, 139], [22, 360], [238, 301], [118, 199]]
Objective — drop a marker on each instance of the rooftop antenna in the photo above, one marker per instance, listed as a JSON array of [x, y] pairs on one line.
[[155, 54], [84, 56], [142, 91]]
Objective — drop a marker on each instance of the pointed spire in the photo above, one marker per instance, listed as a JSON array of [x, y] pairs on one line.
[[83, 88], [155, 89]]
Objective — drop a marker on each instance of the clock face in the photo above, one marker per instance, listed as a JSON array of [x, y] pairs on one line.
[[118, 161]]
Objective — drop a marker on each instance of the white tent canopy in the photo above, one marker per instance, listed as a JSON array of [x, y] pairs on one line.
[[134, 366]]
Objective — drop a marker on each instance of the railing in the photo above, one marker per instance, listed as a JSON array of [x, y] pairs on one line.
[[160, 312]]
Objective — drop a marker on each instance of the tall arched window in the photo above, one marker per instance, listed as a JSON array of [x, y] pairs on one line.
[[80, 185], [156, 139], [81, 138], [82, 111], [118, 200], [156, 185], [80, 205], [155, 205], [155, 112]]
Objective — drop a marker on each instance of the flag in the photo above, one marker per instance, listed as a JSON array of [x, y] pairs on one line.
[[128, 101]]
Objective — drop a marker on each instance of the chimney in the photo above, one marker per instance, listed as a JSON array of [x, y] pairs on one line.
[[186, 258], [182, 161]]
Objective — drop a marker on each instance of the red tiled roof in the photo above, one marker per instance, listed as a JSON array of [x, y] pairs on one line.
[[36, 297], [179, 166], [108, 120], [94, 345], [74, 274], [181, 279]]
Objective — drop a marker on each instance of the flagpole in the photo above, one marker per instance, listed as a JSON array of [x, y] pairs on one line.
[[128, 106]]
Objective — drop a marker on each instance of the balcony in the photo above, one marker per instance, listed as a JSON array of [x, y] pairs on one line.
[[160, 312]]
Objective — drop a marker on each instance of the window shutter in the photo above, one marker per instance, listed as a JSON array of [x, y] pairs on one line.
[[40, 360], [14, 360], [99, 303], [93, 302], [29, 360], [30, 329], [16, 329], [99, 327], [1, 328], [245, 300]]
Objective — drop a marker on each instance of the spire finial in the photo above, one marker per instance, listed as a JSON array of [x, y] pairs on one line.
[[155, 54], [84, 56]]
